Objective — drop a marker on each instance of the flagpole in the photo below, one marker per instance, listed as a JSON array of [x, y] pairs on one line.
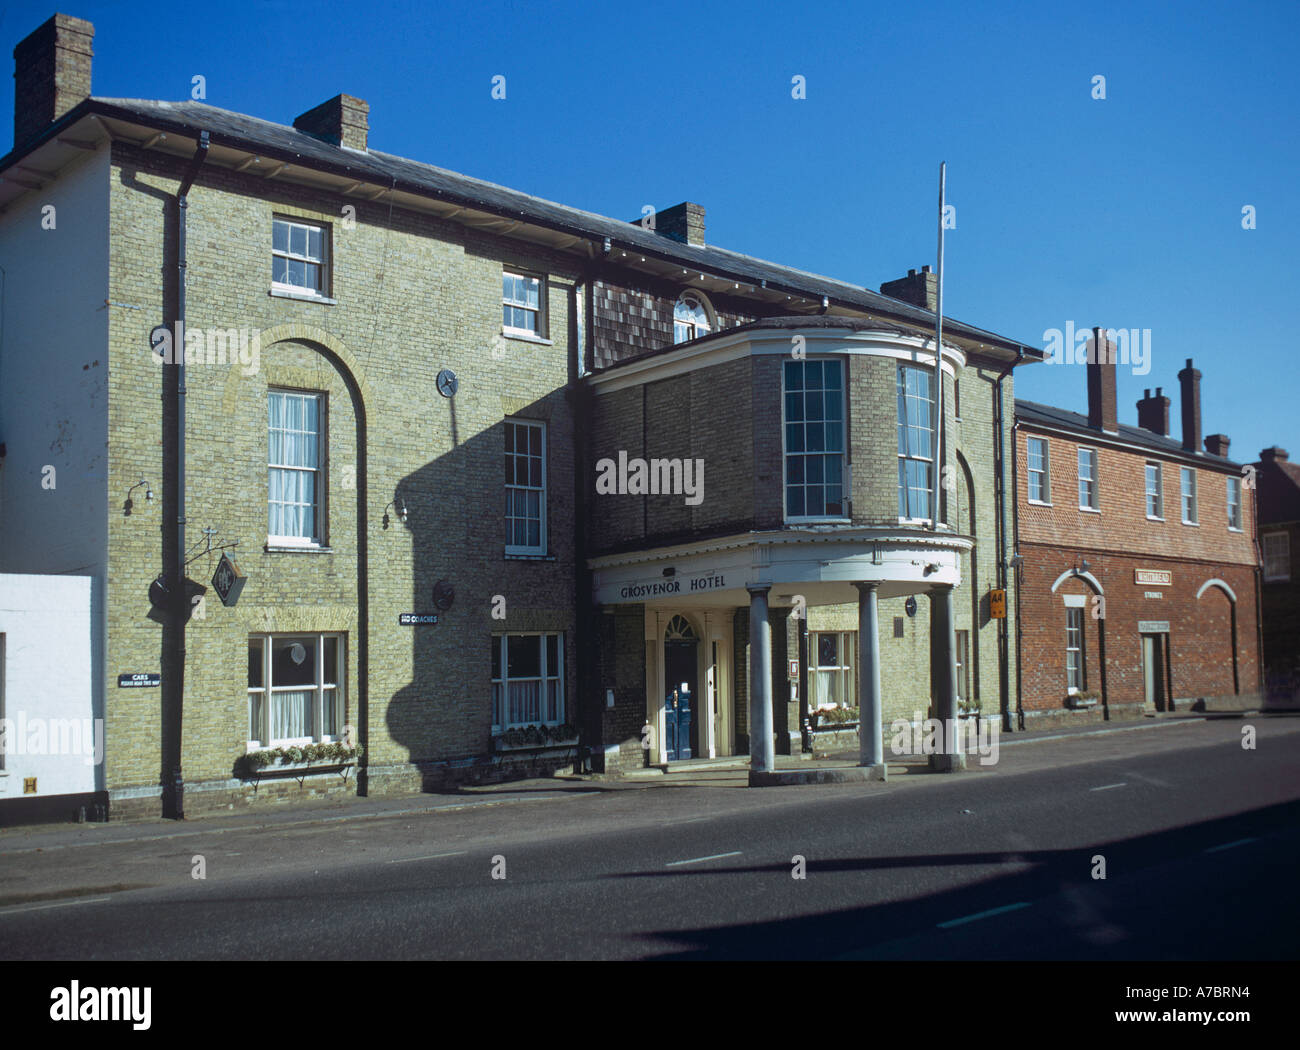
[[938, 367]]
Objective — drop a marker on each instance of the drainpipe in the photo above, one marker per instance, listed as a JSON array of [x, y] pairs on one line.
[[174, 790], [1004, 655]]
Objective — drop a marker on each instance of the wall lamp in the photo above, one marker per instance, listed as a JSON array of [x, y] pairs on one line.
[[1015, 561], [130, 504], [1082, 567], [399, 505]]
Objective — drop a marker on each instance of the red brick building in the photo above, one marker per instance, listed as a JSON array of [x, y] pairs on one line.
[[1277, 484], [1139, 577]]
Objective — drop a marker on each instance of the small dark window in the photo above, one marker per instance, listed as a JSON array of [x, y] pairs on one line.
[[898, 627]]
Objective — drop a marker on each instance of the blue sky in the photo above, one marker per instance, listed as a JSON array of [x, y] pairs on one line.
[[1125, 212]]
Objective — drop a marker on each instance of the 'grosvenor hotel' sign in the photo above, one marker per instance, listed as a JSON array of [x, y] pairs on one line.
[[671, 586], [1153, 577]]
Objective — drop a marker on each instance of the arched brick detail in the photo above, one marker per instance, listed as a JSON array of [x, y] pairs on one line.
[[304, 333]]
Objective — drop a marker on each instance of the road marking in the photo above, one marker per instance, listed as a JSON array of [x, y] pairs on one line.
[[691, 820], [701, 860], [1229, 845], [982, 915], [59, 904], [1107, 787], [432, 856]]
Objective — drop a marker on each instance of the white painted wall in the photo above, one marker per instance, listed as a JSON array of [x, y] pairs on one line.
[[54, 375], [50, 660]]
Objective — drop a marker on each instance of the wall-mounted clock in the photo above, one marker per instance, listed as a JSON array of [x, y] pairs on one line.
[[448, 384]]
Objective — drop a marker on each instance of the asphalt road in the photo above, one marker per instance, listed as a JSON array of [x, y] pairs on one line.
[[1198, 837]]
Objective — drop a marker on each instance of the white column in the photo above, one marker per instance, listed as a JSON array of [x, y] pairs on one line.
[[762, 754], [870, 706]]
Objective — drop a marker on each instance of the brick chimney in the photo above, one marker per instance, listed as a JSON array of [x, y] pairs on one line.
[[1153, 412], [919, 289], [1190, 378], [683, 223], [342, 121], [51, 74], [1217, 445], [1103, 408], [1274, 454]]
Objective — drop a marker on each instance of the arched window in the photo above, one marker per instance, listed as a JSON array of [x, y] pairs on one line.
[[679, 630], [691, 318]]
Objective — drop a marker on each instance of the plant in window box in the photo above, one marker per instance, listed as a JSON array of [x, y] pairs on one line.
[[1084, 699], [276, 759]]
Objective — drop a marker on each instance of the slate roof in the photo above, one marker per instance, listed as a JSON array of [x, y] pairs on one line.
[[1049, 415], [283, 143]]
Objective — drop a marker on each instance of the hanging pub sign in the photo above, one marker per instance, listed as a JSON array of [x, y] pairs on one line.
[[228, 581]]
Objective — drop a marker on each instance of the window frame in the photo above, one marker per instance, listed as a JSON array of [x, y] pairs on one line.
[[711, 319], [500, 704], [1233, 484], [903, 424], [325, 262], [845, 670], [1183, 474], [268, 688], [1094, 504], [1159, 493], [1284, 555], [843, 454], [1045, 471], [1073, 612], [543, 537], [543, 332], [320, 515]]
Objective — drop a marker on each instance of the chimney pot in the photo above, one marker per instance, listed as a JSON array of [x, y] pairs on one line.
[[919, 289], [1103, 409], [683, 223], [344, 120], [1190, 379], [1153, 413], [1217, 445], [51, 74]]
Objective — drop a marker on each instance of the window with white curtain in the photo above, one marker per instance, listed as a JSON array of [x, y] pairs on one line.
[[832, 679], [527, 680], [295, 689], [294, 496]]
